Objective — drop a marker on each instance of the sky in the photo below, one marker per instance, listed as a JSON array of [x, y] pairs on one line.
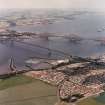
[[91, 4]]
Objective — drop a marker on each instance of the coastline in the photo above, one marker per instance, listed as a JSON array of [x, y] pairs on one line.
[[66, 85]]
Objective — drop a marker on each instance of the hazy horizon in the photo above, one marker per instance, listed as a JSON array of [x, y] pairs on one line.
[[57, 4]]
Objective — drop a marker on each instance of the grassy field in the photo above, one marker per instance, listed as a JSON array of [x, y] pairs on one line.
[[22, 90], [14, 81]]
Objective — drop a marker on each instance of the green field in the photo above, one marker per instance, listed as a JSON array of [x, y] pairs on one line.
[[100, 100], [22, 90], [14, 81]]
